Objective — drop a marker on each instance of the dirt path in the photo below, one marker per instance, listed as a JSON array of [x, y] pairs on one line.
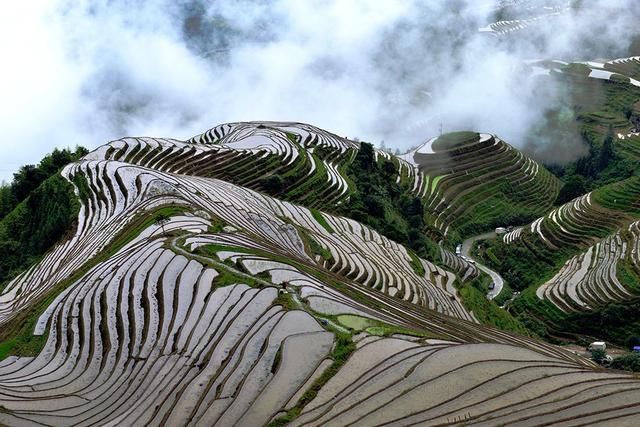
[[498, 282]]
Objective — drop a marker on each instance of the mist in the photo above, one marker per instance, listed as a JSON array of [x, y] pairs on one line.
[[86, 72]]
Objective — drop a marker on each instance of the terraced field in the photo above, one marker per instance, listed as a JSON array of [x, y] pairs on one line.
[[344, 247], [514, 17], [184, 299], [511, 26], [590, 280], [626, 70], [464, 269], [586, 219], [306, 163], [621, 70], [601, 226], [468, 184], [471, 381]]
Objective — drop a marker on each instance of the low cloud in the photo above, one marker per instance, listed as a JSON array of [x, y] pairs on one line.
[[85, 72]]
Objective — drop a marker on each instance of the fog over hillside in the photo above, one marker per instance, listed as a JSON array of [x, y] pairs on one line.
[[84, 72]]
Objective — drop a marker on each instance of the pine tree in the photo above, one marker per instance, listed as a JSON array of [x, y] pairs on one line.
[[606, 153]]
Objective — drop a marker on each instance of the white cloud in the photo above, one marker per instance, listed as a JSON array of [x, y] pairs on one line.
[[89, 71]]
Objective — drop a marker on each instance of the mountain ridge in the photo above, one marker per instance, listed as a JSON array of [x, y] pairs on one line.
[[190, 295]]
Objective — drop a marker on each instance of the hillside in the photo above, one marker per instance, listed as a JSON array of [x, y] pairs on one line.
[[475, 182], [576, 266], [190, 293], [320, 213]]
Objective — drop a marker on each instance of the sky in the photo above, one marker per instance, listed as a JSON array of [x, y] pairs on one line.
[[385, 71]]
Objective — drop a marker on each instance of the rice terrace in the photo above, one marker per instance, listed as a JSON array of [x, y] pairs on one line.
[[480, 268]]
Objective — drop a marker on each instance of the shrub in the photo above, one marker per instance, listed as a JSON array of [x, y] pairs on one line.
[[598, 355], [628, 362], [273, 184]]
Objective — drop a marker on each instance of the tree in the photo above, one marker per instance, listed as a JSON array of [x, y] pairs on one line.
[[366, 156], [26, 180], [575, 185], [36, 224], [29, 177], [598, 355], [388, 168], [628, 362], [606, 153], [161, 220], [7, 202], [273, 184], [632, 341]]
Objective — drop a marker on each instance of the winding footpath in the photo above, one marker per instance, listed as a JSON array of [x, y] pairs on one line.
[[498, 282]]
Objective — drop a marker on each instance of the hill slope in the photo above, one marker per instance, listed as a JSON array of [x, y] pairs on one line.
[[184, 299], [477, 181]]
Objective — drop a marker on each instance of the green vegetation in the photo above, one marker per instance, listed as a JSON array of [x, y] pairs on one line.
[[24, 343], [598, 355], [616, 322], [578, 69], [29, 177], [540, 317], [35, 225], [628, 275], [384, 205], [37, 209], [601, 109], [217, 226], [417, 266], [628, 362], [161, 220], [574, 186], [273, 184], [449, 141], [374, 327], [603, 164], [357, 323], [505, 295], [317, 215], [525, 263], [313, 246], [609, 168], [487, 312], [226, 276], [434, 183], [285, 299], [621, 196], [497, 210], [211, 251], [528, 262], [619, 78]]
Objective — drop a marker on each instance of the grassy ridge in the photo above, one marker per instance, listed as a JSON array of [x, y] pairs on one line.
[[453, 140]]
